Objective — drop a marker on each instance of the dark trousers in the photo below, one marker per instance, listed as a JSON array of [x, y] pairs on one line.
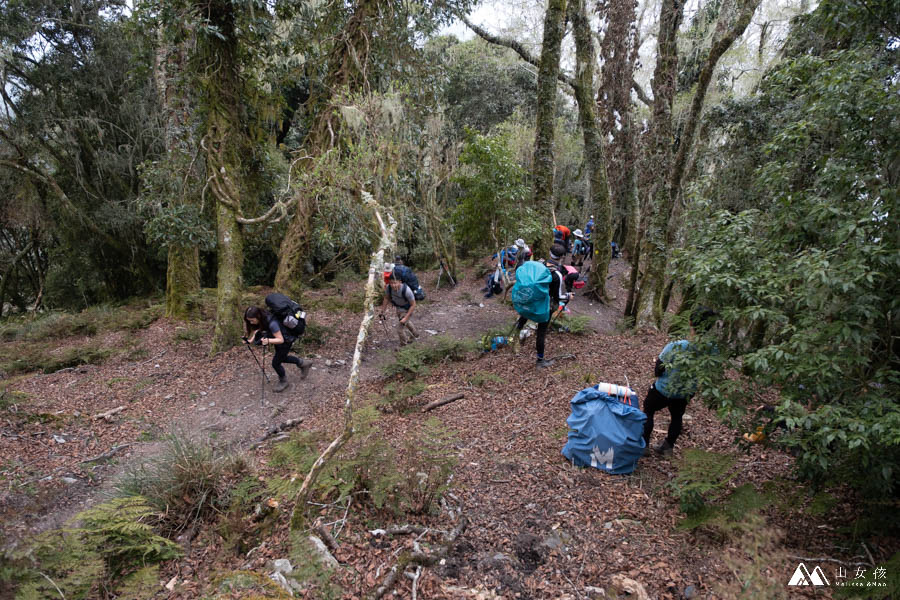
[[282, 356], [541, 334], [656, 401]]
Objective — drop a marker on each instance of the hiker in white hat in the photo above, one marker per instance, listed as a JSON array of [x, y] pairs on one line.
[[579, 249], [524, 252]]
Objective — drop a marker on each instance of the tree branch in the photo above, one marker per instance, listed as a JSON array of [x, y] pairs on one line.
[[641, 94], [387, 241], [514, 45]]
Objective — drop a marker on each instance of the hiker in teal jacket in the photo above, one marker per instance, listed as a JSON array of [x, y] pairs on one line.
[[558, 295], [673, 388]]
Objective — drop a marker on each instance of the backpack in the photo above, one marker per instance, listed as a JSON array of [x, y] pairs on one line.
[[606, 429], [407, 276], [290, 314], [531, 294]]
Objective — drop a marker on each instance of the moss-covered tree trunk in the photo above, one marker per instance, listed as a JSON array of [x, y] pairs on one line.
[[229, 278], [665, 224], [659, 152], [619, 51], [548, 71], [183, 263], [347, 65], [585, 58], [224, 144]]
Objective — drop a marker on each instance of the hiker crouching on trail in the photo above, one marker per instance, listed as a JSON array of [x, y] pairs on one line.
[[399, 294], [558, 296], [263, 328], [673, 389]]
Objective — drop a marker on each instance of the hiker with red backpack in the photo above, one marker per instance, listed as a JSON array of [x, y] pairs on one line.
[[539, 292], [401, 296], [279, 328]]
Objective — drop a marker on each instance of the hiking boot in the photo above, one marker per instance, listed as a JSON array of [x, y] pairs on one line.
[[665, 448], [281, 385], [543, 363], [304, 367]]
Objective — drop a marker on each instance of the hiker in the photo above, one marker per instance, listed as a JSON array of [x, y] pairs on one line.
[[579, 249], [615, 249], [524, 254], [507, 260], [558, 297], [263, 328], [401, 296], [562, 235], [672, 389], [589, 236]]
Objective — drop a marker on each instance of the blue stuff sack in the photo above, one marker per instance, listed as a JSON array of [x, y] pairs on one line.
[[606, 429], [531, 294]]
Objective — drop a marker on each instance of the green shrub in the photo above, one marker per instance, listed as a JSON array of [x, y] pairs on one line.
[[91, 321], [114, 548], [397, 395], [574, 324], [189, 482], [314, 335], [481, 378], [412, 361], [429, 459]]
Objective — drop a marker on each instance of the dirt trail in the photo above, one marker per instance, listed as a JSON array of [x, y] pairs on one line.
[[179, 388]]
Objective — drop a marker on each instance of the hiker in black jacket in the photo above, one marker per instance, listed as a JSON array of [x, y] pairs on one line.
[[558, 296], [263, 328]]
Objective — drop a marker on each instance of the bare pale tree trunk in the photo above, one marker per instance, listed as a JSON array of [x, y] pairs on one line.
[[585, 58], [548, 72], [298, 516]]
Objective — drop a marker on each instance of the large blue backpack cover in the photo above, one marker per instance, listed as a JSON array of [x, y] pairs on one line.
[[605, 432], [531, 294]]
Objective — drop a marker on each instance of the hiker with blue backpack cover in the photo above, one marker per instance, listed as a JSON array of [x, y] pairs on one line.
[[673, 388], [538, 293]]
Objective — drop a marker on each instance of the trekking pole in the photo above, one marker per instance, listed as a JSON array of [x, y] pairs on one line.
[[265, 379]]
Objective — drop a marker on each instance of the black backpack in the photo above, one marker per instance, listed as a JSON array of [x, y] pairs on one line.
[[289, 313], [407, 276]]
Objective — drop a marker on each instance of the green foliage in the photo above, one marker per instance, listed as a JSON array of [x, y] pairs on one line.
[[115, 547], [190, 334], [397, 396], [120, 529], [410, 362], [55, 325], [700, 474], [482, 378], [430, 457], [801, 257], [314, 336], [27, 358], [491, 211], [574, 324], [189, 481]]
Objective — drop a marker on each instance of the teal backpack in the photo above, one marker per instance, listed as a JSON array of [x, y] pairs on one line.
[[531, 294]]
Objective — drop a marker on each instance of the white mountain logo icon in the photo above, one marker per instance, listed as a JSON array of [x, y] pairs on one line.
[[802, 576]]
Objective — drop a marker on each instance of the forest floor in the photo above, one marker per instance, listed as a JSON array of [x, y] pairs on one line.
[[537, 526]]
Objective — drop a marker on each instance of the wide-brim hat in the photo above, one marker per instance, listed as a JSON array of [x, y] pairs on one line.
[[578, 233]]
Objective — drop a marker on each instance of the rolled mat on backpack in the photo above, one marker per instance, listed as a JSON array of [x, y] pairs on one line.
[[606, 429]]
